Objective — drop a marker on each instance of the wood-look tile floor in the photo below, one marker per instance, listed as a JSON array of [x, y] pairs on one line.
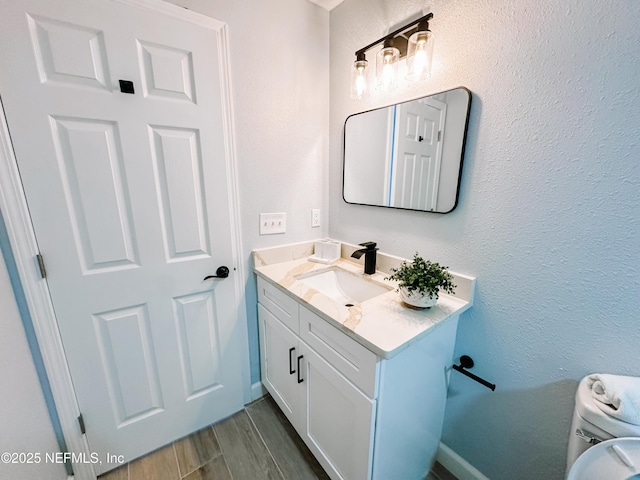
[[257, 443]]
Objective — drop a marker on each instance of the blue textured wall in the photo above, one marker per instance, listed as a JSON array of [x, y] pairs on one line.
[[548, 214]]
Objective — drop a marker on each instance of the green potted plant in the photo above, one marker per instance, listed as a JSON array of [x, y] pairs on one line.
[[420, 281]]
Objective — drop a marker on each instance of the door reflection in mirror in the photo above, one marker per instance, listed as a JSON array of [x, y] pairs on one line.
[[408, 155]]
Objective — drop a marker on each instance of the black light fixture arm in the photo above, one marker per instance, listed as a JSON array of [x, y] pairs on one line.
[[399, 36]]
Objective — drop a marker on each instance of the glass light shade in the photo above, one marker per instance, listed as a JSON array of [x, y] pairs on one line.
[[359, 84], [387, 68], [419, 55]]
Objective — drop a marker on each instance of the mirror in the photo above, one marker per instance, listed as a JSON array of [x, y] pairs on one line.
[[407, 155]]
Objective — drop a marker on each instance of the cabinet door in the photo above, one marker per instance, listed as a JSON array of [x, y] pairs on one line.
[[278, 359], [336, 419]]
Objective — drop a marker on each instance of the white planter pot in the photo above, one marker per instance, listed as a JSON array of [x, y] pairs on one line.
[[415, 299]]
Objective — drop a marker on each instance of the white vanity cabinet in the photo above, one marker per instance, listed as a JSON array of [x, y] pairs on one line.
[[333, 416], [363, 416]]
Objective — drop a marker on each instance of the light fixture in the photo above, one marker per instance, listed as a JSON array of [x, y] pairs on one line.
[[387, 65], [359, 81], [419, 53], [412, 41]]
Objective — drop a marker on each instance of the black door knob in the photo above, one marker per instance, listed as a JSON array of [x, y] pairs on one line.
[[221, 272]]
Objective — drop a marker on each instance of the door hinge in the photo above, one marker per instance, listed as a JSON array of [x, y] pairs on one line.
[[439, 135], [40, 260], [81, 422]]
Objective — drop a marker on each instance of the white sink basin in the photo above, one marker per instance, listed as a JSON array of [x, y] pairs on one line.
[[343, 286]]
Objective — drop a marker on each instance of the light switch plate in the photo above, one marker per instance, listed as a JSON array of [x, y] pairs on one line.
[[315, 217], [271, 223]]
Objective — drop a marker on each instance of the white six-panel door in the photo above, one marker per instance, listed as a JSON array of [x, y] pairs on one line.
[[129, 201], [416, 172]]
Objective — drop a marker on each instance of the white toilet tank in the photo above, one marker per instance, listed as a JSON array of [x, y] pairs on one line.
[[593, 423]]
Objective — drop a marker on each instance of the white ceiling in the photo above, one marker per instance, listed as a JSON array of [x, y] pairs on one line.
[[328, 4]]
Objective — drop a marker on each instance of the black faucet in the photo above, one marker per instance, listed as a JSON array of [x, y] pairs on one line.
[[369, 252]]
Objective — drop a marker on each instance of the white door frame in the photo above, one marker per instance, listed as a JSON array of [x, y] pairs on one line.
[[24, 245]]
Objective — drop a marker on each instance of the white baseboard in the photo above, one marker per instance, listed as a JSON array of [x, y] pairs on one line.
[[257, 391], [457, 465]]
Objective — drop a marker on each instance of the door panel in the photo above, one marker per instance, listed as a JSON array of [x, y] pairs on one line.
[[130, 206], [199, 343], [53, 40], [178, 169], [126, 350], [167, 72], [96, 193]]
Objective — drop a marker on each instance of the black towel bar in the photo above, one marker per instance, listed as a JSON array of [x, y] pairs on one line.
[[467, 362]]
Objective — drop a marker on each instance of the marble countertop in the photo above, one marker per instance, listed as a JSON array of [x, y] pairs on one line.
[[383, 324]]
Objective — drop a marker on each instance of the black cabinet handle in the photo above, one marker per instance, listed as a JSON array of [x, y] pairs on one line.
[[221, 272], [300, 380], [291, 370]]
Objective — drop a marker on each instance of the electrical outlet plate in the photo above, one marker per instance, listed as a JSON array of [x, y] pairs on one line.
[[315, 217], [272, 223]]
